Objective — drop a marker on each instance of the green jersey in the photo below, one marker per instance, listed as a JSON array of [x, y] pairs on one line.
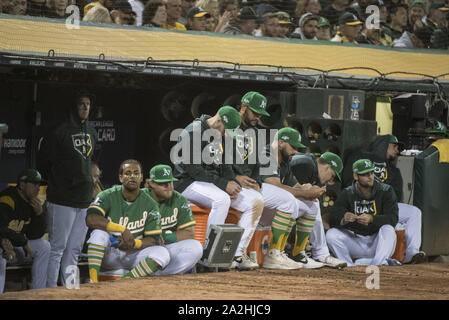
[[141, 216], [175, 212]]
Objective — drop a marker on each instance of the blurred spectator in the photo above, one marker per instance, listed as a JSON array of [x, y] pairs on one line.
[[173, 14], [265, 8], [286, 25], [137, 7], [323, 31], [269, 26], [38, 8], [186, 5], [211, 6], [197, 19], [333, 12], [437, 17], [231, 6], [307, 27], [371, 35], [108, 4], [383, 11], [244, 23], [420, 38], [98, 14], [154, 14], [349, 28], [59, 7], [398, 15], [18, 7], [288, 6], [417, 11], [122, 13], [437, 21], [305, 6]]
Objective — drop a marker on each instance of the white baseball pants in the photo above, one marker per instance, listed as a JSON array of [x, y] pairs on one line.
[[410, 216], [41, 253], [318, 238], [350, 246], [276, 198], [206, 194], [67, 232], [115, 258]]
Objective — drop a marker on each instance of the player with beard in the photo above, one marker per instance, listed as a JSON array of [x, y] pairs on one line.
[[362, 220], [296, 203], [383, 152], [177, 222], [126, 228]]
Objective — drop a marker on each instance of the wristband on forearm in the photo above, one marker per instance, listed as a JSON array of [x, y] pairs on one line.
[[137, 243], [115, 227]]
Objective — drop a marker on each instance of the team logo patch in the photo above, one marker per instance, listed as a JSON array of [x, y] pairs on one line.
[[166, 172], [83, 144], [225, 119], [263, 104], [365, 207], [380, 171]]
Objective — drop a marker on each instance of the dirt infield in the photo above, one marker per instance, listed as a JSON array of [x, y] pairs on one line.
[[424, 281]]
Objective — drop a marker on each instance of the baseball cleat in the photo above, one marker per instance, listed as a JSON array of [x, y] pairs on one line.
[[393, 262], [244, 262], [306, 262], [420, 257], [276, 259], [332, 262]]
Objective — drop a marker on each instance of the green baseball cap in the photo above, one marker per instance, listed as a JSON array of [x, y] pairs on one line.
[[418, 3], [363, 166], [162, 173], [291, 136], [30, 175], [256, 102], [230, 117], [323, 22], [349, 19], [438, 127], [393, 140], [334, 161]]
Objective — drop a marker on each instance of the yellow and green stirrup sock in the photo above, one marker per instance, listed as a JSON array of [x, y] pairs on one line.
[[281, 227], [304, 226], [95, 254], [145, 267]]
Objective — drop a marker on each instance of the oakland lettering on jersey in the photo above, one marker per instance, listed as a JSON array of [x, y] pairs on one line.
[[133, 225], [172, 219], [365, 207]]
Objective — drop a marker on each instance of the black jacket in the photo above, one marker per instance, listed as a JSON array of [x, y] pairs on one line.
[[187, 171], [18, 221], [386, 170], [64, 159], [381, 204]]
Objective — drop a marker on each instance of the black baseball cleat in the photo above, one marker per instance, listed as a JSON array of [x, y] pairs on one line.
[[420, 257]]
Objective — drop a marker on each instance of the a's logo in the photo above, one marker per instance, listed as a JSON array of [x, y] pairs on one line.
[[263, 104], [367, 164], [225, 119], [334, 164], [83, 144], [285, 137], [166, 172]]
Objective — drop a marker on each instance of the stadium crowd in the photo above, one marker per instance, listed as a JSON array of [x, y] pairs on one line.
[[390, 23]]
